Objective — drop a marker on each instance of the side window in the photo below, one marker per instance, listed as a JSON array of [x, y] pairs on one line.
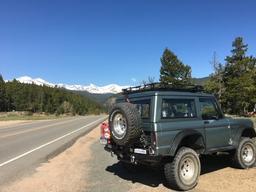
[[209, 109], [178, 108], [143, 107]]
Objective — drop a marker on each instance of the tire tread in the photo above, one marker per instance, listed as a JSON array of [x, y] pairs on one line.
[[236, 157], [171, 175], [133, 122]]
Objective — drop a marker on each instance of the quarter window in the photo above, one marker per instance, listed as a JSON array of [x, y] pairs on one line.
[[178, 108], [143, 107]]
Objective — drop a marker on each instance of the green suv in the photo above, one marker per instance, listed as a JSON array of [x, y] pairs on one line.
[[160, 124]]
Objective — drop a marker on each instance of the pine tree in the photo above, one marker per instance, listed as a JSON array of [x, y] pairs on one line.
[[173, 71], [235, 82], [3, 97], [238, 79], [34, 98]]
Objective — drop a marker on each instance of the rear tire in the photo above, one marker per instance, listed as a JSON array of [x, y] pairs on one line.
[[245, 154], [184, 171]]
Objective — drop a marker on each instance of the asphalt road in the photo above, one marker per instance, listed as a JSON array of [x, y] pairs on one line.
[[25, 146]]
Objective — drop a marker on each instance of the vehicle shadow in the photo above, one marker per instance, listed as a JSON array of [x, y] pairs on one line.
[[213, 163], [154, 176], [151, 176]]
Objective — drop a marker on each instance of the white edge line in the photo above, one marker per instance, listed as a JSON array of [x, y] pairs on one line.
[[50, 142]]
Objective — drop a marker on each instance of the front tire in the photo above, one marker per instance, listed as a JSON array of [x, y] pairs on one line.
[[245, 155], [184, 171]]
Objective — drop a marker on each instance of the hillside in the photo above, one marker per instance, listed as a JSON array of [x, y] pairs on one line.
[[200, 81], [16, 96], [99, 98]]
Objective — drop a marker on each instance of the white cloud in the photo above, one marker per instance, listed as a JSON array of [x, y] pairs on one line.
[[134, 80]]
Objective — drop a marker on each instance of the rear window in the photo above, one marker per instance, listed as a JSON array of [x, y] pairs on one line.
[[143, 107], [178, 108]]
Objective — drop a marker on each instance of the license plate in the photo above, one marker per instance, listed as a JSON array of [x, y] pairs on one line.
[[103, 141], [140, 151]]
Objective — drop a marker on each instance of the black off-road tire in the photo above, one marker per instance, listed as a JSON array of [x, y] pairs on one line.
[[240, 155], [173, 174], [133, 123]]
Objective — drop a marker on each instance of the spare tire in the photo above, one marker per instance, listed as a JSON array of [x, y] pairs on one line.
[[124, 123]]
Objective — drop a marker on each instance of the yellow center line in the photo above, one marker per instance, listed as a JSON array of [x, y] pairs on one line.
[[35, 129]]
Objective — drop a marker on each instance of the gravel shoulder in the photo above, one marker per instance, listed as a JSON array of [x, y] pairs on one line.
[[85, 166]]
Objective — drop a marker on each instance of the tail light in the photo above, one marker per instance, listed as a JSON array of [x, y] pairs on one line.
[[105, 132], [152, 147], [153, 138]]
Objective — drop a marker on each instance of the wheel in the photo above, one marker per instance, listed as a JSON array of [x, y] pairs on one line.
[[124, 123], [184, 171], [245, 154]]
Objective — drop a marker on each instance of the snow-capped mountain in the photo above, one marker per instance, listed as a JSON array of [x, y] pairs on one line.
[[112, 88], [37, 81]]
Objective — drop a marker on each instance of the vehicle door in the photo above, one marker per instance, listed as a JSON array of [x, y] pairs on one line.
[[217, 128]]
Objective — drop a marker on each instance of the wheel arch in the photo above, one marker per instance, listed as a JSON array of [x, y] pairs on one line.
[[245, 132], [248, 132], [188, 138]]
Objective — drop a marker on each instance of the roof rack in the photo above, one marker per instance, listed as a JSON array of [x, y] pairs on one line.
[[163, 87]]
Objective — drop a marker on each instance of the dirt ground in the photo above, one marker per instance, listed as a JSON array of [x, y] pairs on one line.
[[225, 180], [78, 169]]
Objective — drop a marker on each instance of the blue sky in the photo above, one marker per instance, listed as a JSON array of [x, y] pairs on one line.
[[117, 41]]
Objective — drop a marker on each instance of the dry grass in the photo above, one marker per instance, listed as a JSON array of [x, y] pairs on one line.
[[11, 116]]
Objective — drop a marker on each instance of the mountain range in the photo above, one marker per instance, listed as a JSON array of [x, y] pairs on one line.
[[97, 93], [108, 89]]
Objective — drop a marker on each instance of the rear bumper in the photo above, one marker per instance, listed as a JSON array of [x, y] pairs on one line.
[[130, 156]]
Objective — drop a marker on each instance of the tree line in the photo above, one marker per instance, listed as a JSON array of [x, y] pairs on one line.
[[34, 98], [233, 82]]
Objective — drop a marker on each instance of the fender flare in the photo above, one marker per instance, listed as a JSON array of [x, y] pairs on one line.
[[239, 133], [180, 136]]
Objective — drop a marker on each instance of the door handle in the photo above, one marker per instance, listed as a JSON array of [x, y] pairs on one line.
[[206, 122]]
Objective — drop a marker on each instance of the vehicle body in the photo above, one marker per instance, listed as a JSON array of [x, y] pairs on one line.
[[176, 118]]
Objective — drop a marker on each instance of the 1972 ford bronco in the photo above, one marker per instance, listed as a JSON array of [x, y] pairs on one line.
[[160, 124]]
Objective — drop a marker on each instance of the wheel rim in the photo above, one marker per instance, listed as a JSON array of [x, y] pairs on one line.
[[247, 153], [188, 170], [119, 126]]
